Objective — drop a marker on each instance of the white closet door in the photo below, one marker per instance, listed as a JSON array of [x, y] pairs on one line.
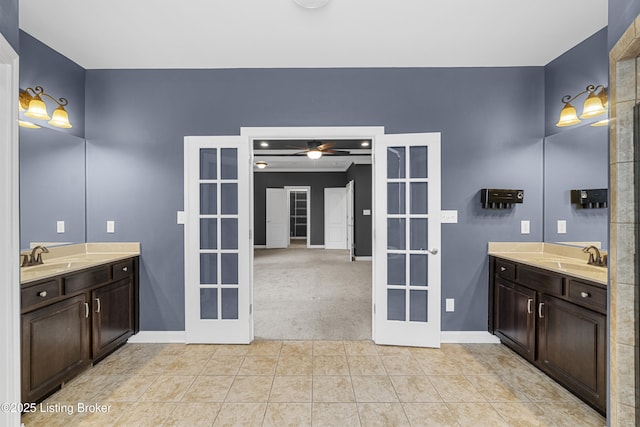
[[277, 218], [335, 218]]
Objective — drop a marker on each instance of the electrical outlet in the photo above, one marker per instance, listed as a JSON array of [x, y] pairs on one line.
[[60, 226], [525, 227], [450, 304], [180, 217], [111, 226], [562, 226]]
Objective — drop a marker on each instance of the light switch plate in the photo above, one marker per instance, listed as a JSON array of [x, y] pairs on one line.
[[525, 226], [60, 226], [180, 217], [450, 304], [562, 226], [449, 217], [111, 226], [366, 212]]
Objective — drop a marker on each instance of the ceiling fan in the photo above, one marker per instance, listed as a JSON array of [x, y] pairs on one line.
[[315, 149]]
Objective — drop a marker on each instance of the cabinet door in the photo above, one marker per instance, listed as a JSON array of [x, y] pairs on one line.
[[572, 348], [55, 346], [112, 307], [515, 318]]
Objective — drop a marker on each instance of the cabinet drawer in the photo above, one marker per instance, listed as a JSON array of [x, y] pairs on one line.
[[38, 294], [123, 269], [587, 295], [86, 279], [505, 269], [541, 281]]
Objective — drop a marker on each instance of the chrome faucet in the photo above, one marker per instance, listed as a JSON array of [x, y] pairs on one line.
[[36, 256], [597, 258]]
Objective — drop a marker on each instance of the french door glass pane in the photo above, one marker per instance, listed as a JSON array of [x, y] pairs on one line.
[[229, 268], [229, 303], [396, 162], [229, 166], [418, 270], [229, 233], [208, 233], [208, 303], [418, 306], [418, 234], [396, 309], [229, 199], [208, 199], [396, 233], [419, 198], [208, 163], [396, 198], [209, 268], [396, 269], [418, 162]]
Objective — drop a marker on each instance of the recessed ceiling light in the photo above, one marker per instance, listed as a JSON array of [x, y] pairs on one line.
[[261, 164], [311, 4], [264, 144], [364, 143]]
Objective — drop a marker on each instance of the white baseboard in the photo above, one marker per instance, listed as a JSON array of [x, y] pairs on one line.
[[148, 337], [363, 258], [475, 337], [315, 246], [259, 246]]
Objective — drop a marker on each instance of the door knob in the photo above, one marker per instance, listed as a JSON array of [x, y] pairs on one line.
[[433, 251]]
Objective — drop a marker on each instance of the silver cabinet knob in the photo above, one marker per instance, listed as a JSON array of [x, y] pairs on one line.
[[42, 294], [585, 294], [503, 268], [432, 251], [125, 268]]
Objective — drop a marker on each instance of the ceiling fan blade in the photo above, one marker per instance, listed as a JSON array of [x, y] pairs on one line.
[[325, 146]]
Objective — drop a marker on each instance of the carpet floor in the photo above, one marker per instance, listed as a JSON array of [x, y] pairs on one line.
[[311, 294]]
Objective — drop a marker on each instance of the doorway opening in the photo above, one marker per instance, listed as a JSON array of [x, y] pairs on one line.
[[308, 288]]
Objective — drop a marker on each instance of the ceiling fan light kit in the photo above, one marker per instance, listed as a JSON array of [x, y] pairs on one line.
[[311, 4]]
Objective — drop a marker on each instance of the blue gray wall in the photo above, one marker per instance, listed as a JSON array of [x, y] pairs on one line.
[[576, 157], [621, 14], [9, 22], [492, 125]]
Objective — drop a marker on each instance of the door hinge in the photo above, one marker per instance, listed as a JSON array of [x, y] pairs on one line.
[[250, 308], [250, 234], [374, 309]]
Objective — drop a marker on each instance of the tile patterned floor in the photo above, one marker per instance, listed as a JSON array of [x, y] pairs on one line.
[[314, 383]]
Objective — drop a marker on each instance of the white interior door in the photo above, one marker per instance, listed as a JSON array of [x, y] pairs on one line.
[[217, 240], [335, 218], [277, 218], [350, 228], [407, 240]]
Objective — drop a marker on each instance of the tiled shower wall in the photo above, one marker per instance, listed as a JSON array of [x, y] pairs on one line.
[[624, 288]]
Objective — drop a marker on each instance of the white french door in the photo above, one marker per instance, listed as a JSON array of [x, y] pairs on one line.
[[277, 218], [217, 240], [407, 240]]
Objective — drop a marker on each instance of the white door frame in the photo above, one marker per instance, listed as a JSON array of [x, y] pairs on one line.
[[9, 228], [288, 189]]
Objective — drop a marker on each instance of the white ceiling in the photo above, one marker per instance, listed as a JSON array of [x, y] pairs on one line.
[[281, 34]]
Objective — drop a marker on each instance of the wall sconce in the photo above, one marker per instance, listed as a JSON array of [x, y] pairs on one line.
[[34, 107], [594, 105]]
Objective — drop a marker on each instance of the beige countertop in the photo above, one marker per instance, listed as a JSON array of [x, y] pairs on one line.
[[564, 259], [70, 258]]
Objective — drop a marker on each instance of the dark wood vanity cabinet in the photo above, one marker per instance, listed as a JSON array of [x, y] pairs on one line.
[[74, 320], [556, 322]]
